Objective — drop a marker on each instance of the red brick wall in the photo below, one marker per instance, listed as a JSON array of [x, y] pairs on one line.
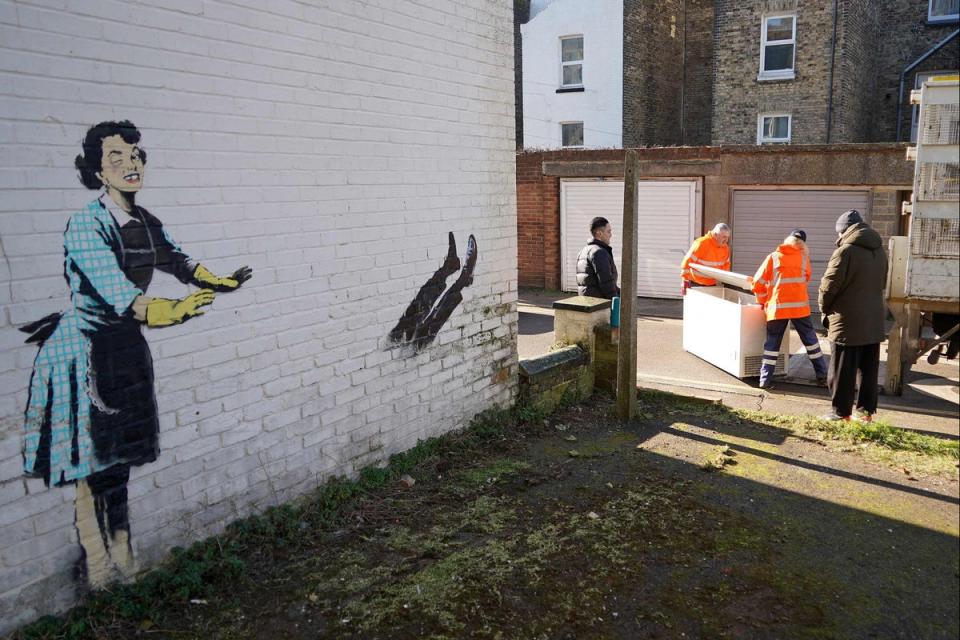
[[530, 222]]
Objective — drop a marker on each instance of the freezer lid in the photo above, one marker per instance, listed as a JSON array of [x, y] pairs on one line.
[[726, 277]]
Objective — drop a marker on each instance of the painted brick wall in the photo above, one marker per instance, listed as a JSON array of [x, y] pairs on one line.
[[331, 148]]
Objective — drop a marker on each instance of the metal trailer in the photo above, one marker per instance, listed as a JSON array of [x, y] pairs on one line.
[[924, 275]]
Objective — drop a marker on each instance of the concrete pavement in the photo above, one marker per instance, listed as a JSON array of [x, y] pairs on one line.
[[930, 402]]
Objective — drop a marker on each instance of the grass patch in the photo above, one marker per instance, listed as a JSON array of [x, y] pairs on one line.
[[879, 433], [491, 473], [216, 565], [877, 440]]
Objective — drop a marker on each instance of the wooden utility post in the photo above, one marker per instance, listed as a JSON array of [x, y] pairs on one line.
[[627, 355]]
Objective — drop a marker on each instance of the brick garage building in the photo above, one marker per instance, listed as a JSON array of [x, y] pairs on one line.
[[330, 148], [879, 172]]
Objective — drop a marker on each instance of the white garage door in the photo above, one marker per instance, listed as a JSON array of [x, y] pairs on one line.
[[667, 214], [762, 219]]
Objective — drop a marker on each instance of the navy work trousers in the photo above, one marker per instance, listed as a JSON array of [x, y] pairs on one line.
[[771, 348]]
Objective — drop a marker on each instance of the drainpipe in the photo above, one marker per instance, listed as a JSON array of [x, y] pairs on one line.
[[833, 51], [910, 67], [683, 83]]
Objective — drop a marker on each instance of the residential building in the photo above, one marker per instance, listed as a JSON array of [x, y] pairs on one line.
[[572, 70], [701, 72], [824, 71]]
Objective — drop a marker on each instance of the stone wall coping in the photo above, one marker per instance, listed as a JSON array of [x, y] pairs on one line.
[[582, 304], [541, 365]]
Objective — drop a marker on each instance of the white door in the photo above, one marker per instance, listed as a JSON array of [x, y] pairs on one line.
[[667, 217]]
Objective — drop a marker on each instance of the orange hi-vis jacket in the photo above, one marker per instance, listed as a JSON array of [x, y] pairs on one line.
[[781, 283], [708, 252]]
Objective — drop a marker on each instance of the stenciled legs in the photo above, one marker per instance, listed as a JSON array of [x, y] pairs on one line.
[[422, 321], [103, 526]]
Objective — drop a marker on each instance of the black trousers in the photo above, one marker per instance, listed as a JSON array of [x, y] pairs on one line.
[[846, 363]]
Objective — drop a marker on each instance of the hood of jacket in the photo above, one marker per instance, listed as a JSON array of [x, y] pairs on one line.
[[789, 249], [861, 235]]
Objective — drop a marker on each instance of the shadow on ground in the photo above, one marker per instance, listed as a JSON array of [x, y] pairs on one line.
[[692, 522]]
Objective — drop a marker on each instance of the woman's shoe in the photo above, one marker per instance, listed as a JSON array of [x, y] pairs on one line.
[[466, 276], [452, 262]]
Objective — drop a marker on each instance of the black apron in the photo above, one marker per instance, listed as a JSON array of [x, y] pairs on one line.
[[124, 424]]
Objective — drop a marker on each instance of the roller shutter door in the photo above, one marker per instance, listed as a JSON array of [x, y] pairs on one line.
[[666, 215], [762, 219]]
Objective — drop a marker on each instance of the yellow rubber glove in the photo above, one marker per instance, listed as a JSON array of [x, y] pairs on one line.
[[203, 277], [162, 312]]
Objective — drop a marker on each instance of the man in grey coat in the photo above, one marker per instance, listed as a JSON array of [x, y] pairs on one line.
[[852, 304], [596, 269]]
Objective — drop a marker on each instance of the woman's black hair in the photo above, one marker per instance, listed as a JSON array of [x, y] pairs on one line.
[[90, 162]]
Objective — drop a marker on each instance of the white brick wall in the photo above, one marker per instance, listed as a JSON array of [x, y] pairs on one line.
[[329, 147]]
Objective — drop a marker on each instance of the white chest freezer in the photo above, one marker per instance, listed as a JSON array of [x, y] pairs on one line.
[[727, 328]]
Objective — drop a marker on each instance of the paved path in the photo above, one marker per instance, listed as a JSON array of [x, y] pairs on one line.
[[929, 403]]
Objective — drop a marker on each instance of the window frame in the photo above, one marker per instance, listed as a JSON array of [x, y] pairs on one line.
[[762, 140], [777, 74], [565, 64], [583, 136], [943, 19]]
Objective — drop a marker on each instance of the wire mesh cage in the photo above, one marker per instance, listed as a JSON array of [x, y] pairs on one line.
[[939, 181], [941, 124], [935, 237]]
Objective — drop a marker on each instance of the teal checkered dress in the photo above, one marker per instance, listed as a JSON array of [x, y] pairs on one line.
[[91, 404]]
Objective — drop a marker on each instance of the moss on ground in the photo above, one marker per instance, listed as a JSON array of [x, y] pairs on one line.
[[506, 535]]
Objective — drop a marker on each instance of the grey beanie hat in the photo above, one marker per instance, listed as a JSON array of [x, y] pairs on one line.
[[848, 219]]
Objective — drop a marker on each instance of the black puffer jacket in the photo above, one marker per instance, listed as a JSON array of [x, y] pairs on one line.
[[596, 271], [851, 292]]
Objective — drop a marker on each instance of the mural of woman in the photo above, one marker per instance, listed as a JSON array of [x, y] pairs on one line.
[[91, 412]]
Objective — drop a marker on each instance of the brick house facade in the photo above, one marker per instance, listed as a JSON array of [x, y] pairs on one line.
[[661, 39], [850, 96], [691, 69]]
